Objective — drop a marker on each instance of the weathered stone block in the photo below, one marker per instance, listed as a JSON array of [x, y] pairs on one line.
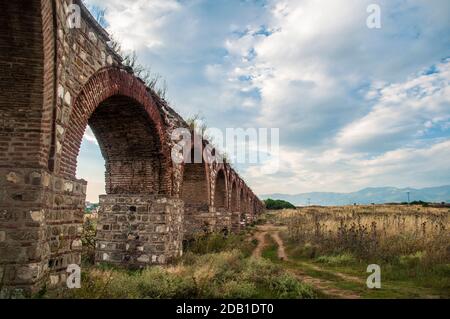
[[140, 228]]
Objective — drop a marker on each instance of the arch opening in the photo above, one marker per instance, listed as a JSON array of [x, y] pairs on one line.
[[242, 210], [138, 210], [195, 194], [194, 191], [234, 200], [235, 214], [129, 145], [220, 191]]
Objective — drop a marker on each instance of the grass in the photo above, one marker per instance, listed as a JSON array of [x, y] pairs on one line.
[[335, 245], [394, 282], [214, 266], [270, 252], [410, 243]]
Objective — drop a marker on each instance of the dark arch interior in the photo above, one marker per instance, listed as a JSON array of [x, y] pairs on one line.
[[130, 146], [234, 203], [220, 191], [242, 202], [194, 191]]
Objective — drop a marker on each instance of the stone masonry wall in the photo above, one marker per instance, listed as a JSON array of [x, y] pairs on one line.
[[40, 228], [135, 230]]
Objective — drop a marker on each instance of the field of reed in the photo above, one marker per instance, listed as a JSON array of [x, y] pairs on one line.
[[376, 232]]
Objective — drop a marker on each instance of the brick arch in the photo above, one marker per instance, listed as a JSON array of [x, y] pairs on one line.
[[234, 196], [250, 205], [195, 187], [241, 197], [112, 89], [246, 200], [221, 189]]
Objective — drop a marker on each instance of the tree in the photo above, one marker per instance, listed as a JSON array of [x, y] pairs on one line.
[[276, 204]]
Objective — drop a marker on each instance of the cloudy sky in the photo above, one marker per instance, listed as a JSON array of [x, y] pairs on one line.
[[356, 107]]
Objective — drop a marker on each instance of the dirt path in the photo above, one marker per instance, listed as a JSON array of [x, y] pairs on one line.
[[281, 249], [337, 274], [261, 238], [324, 286], [320, 284]]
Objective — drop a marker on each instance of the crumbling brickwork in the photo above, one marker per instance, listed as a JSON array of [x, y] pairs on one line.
[[56, 80]]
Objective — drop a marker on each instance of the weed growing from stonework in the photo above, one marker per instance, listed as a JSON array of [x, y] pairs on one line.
[[197, 124], [152, 80]]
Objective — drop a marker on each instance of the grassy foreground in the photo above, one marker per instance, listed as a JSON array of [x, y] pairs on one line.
[[313, 252], [216, 266], [411, 244]]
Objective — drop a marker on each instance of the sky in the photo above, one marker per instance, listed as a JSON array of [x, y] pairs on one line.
[[355, 106]]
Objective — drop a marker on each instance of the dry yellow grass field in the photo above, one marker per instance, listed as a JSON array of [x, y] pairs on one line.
[[382, 231], [411, 244]]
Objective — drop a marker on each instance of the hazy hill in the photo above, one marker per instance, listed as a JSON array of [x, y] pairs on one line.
[[377, 195]]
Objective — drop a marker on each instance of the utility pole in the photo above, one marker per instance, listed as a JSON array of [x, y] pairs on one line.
[[309, 201], [408, 196]]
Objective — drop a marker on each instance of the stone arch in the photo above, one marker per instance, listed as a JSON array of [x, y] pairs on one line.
[[195, 184], [241, 199], [220, 190], [133, 140], [234, 204], [129, 129], [195, 192], [243, 204]]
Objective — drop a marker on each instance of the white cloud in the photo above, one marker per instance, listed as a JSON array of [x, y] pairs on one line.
[[334, 170], [139, 23], [313, 70], [89, 136], [402, 111], [351, 108]]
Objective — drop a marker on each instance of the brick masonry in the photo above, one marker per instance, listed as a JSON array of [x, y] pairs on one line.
[[55, 81]]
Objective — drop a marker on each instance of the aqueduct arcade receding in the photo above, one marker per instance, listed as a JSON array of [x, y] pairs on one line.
[[56, 80]]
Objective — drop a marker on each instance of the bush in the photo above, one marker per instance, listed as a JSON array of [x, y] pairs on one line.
[[277, 204], [88, 241], [217, 242], [411, 260], [287, 287]]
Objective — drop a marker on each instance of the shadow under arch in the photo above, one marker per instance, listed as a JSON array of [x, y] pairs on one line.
[[138, 211], [195, 192], [221, 209], [129, 129]]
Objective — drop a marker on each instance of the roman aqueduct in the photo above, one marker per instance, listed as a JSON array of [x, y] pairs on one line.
[[55, 81]]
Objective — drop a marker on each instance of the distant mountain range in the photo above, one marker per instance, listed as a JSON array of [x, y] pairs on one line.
[[377, 195]]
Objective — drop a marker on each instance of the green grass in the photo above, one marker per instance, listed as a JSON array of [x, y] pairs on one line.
[[406, 278], [212, 267], [270, 251]]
